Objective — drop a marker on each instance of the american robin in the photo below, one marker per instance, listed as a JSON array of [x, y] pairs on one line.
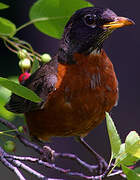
[[79, 85]]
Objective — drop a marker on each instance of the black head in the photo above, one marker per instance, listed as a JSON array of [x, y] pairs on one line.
[[86, 31]]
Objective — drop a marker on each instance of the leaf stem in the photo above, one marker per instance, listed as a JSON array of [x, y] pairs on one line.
[[11, 43], [27, 46], [8, 47], [9, 130], [6, 134], [31, 22], [37, 20], [109, 164], [20, 44]]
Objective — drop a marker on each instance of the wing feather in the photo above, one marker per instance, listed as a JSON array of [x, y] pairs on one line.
[[42, 82]]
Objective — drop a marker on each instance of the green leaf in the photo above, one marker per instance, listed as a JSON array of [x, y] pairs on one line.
[[7, 28], [35, 65], [137, 170], [57, 13], [4, 97], [6, 114], [5, 93], [130, 151], [133, 144], [131, 139], [125, 158], [19, 90], [131, 174], [135, 149], [113, 136], [3, 6]]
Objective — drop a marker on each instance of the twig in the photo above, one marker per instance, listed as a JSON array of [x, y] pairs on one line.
[[39, 161], [19, 164], [40, 150], [90, 168], [14, 162], [115, 173], [15, 45], [5, 43], [9, 165], [22, 139], [26, 142], [11, 43]]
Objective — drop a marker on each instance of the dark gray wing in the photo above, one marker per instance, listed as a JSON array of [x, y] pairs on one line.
[[42, 82]]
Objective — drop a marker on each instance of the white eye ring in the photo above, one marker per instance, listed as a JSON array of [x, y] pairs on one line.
[[90, 20]]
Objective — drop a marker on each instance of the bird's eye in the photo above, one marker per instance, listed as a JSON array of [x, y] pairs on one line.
[[89, 19]]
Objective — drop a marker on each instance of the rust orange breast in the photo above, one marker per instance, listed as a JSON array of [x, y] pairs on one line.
[[84, 92]]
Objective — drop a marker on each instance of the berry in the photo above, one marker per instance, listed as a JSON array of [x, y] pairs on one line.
[[9, 146], [45, 58], [20, 129], [24, 76], [25, 63], [22, 54]]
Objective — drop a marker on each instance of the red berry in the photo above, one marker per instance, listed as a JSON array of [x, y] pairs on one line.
[[24, 76]]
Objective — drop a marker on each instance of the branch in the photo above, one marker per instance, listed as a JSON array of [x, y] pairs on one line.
[[22, 139], [15, 163], [9, 165]]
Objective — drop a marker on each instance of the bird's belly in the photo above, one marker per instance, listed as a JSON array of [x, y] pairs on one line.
[[71, 115], [80, 112]]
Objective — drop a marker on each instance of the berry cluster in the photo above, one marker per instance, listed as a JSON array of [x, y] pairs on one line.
[[26, 65]]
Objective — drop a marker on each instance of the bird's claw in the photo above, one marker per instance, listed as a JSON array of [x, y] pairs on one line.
[[102, 166], [48, 153]]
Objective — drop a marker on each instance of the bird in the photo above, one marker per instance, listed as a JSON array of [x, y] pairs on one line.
[[79, 85]]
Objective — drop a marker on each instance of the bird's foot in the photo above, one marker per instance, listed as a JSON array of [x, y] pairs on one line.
[[48, 153], [102, 166]]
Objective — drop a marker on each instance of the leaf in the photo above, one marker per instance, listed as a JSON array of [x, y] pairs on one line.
[[135, 149], [131, 174], [35, 66], [4, 97], [3, 6], [113, 136], [58, 12], [19, 90], [130, 151], [6, 114], [137, 170], [125, 158], [7, 28], [5, 93], [133, 144]]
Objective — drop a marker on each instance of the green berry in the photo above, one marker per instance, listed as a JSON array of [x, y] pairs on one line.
[[20, 129], [9, 146], [45, 58], [25, 63], [22, 54]]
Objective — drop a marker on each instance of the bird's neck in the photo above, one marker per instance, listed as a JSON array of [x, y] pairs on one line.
[[67, 50]]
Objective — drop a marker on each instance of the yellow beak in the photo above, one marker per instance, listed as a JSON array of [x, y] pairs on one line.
[[118, 23]]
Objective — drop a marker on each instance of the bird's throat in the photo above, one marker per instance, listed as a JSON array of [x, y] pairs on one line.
[[68, 47], [66, 54]]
